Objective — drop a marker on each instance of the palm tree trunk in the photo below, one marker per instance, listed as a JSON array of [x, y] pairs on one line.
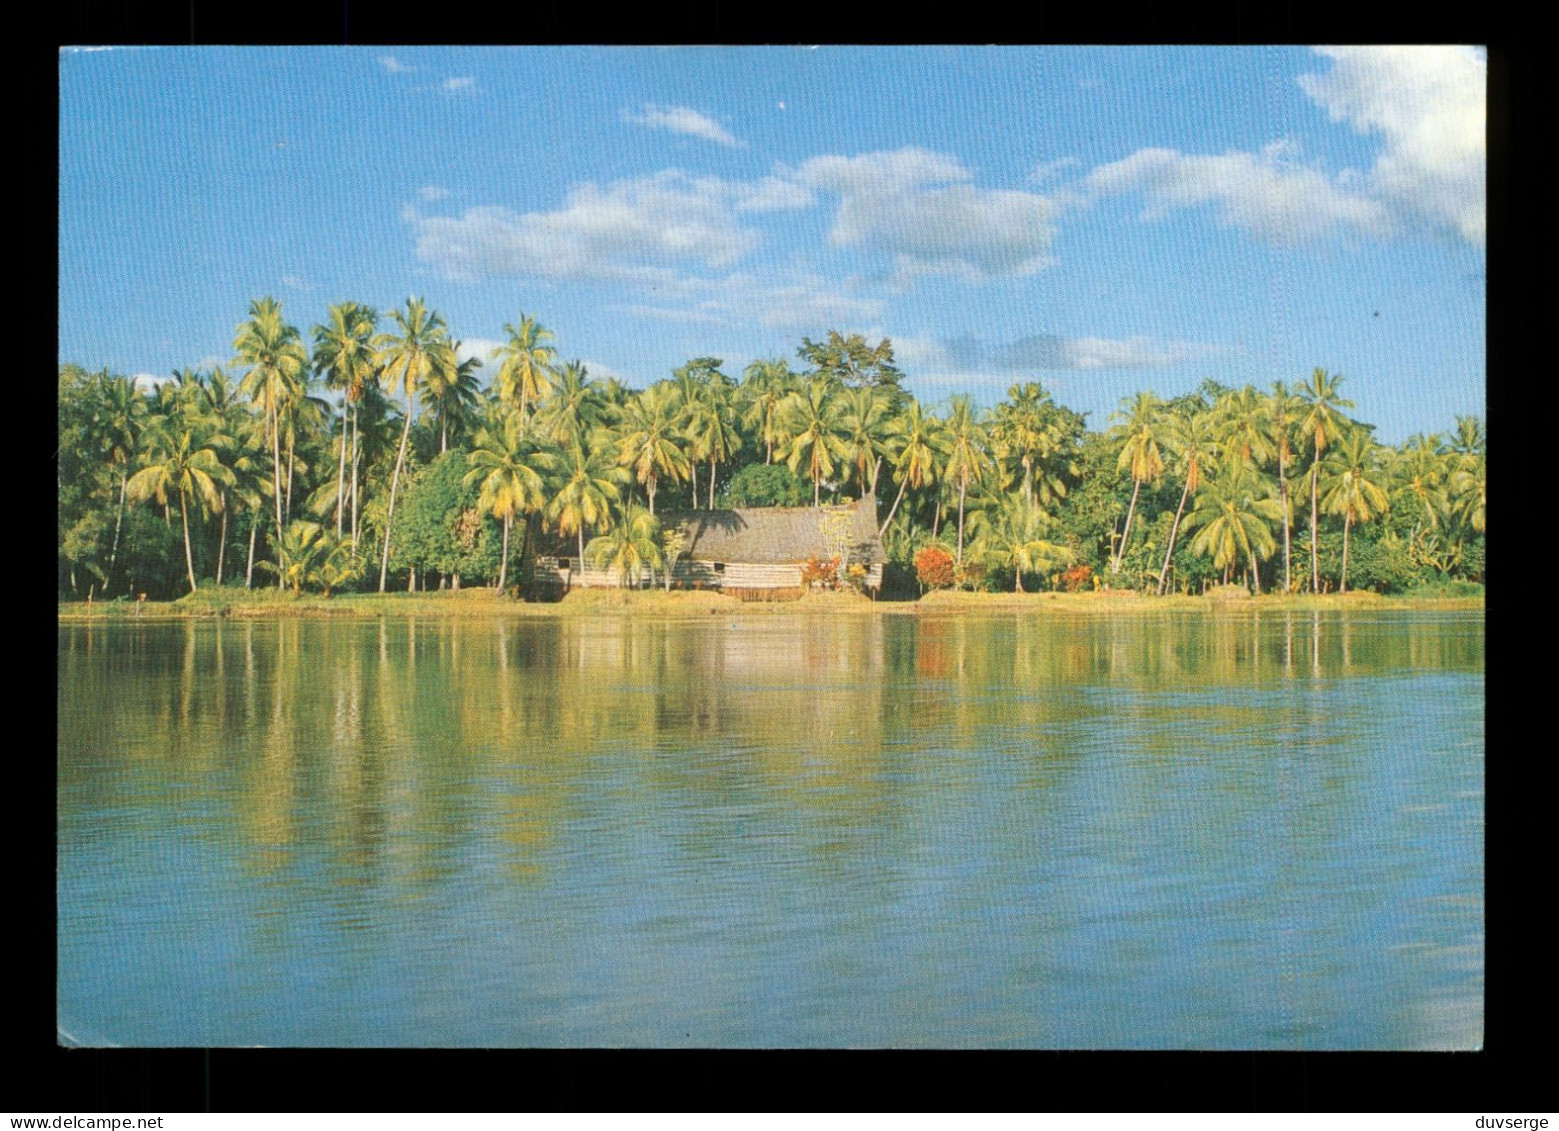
[[876, 470], [222, 543], [443, 436], [649, 489], [341, 473], [1347, 520], [503, 562], [395, 481], [581, 554], [276, 480], [113, 555], [357, 458], [292, 451], [692, 470], [1315, 535], [1017, 573], [712, 466], [249, 570], [963, 487], [817, 489], [189, 558], [1120, 551], [1174, 528], [1288, 585], [894, 507]]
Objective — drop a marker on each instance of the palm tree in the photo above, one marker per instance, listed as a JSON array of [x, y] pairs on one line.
[[274, 353], [1322, 421], [1027, 430], [691, 382], [505, 465], [765, 385], [180, 461], [1469, 486], [450, 393], [1421, 471], [1283, 411], [344, 357], [1231, 517], [586, 487], [966, 459], [863, 424], [1015, 539], [1192, 438], [300, 552], [1138, 434], [408, 357], [648, 445], [1243, 418], [809, 431], [572, 408], [1352, 490], [119, 420], [525, 373], [631, 546], [712, 425], [912, 441]]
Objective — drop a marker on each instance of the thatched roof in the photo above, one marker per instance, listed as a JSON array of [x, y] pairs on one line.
[[781, 535], [758, 535]]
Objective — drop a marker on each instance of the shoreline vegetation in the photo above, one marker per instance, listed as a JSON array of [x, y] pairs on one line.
[[484, 603], [370, 456]]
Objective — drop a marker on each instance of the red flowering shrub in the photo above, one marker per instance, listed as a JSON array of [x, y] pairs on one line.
[[820, 572], [934, 567], [1078, 577]]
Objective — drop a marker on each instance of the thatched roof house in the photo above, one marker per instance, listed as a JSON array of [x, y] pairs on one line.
[[745, 549]]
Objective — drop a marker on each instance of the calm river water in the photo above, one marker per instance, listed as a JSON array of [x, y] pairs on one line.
[[1209, 830]]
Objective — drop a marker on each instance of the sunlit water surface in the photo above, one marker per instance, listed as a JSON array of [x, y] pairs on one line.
[[1188, 831]]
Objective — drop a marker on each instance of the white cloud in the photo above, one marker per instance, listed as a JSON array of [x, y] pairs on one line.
[[394, 65], [432, 193], [296, 283], [459, 84], [922, 209], [1429, 105], [773, 194], [479, 348], [147, 380], [968, 359], [681, 120], [1266, 193], [800, 301], [626, 231]]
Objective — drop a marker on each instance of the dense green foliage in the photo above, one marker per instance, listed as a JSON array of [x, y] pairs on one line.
[[384, 460]]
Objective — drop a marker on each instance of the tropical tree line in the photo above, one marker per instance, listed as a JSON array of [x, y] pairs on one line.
[[373, 453]]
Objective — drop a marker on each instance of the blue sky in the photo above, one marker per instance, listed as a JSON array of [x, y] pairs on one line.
[[1099, 219]]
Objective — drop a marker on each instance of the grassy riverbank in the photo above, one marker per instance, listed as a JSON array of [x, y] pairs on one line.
[[270, 604]]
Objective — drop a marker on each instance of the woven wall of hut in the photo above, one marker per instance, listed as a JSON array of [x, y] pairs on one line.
[[685, 574]]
